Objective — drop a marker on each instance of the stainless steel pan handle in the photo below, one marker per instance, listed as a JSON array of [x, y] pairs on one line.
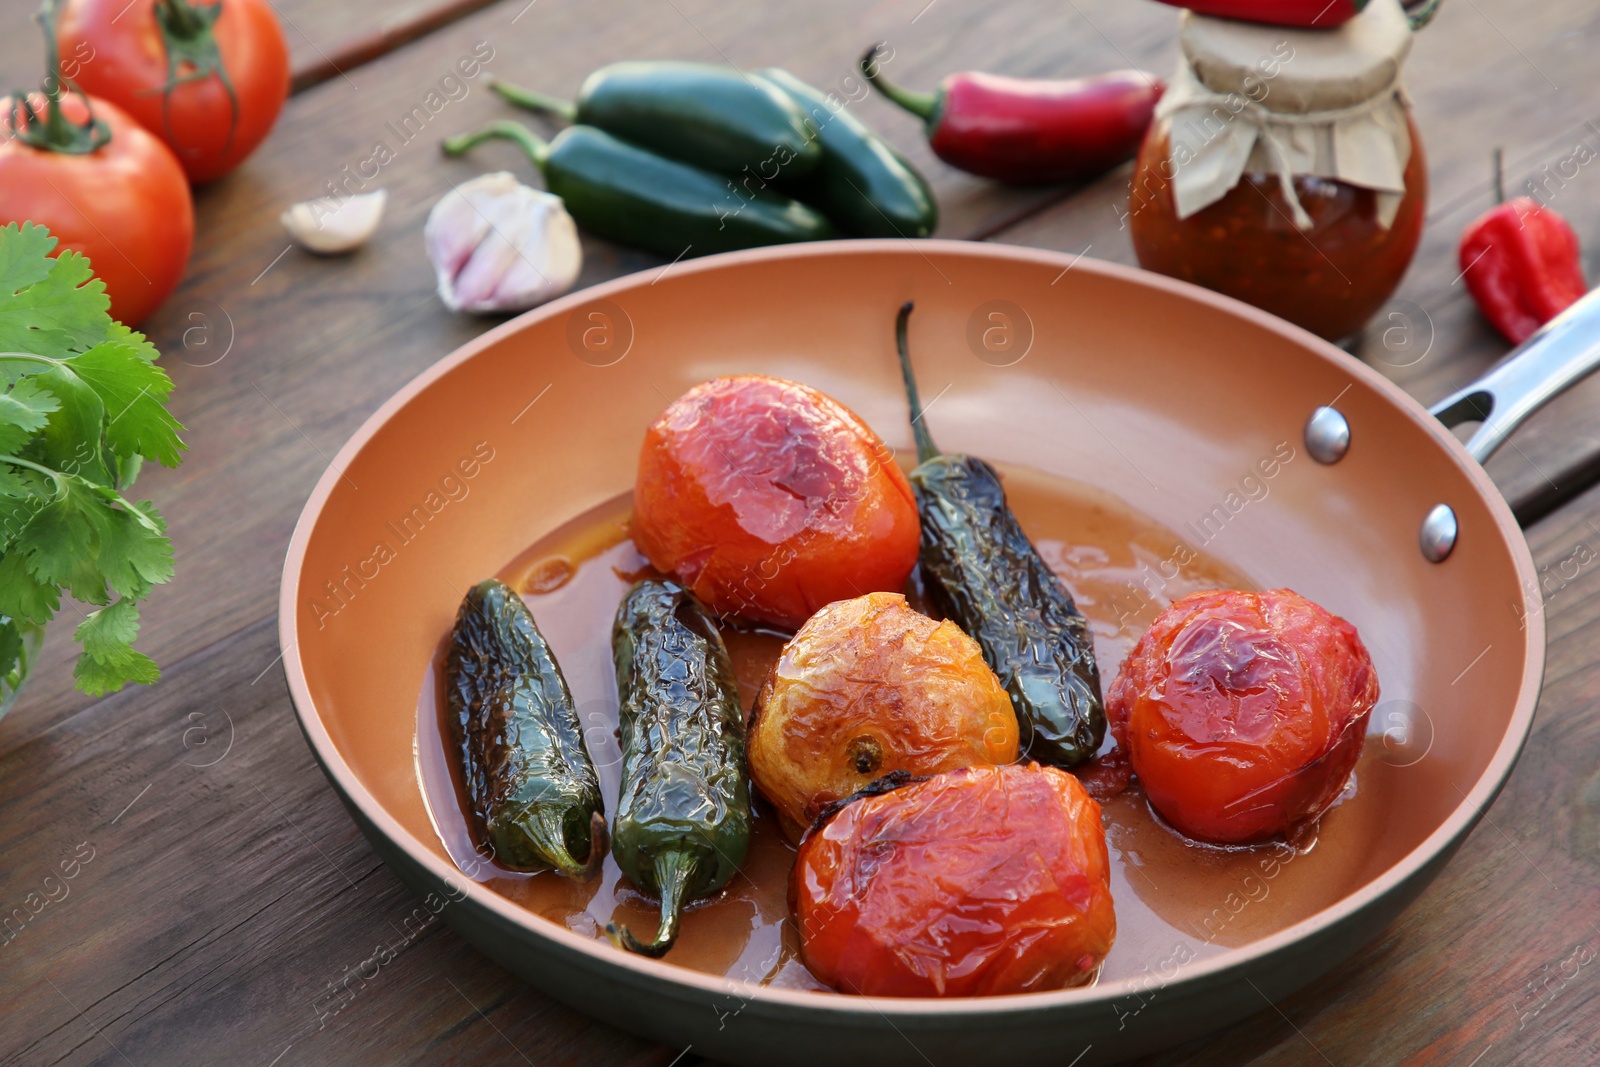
[[1564, 352]]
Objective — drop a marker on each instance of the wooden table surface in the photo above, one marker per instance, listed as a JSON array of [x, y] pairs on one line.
[[225, 886]]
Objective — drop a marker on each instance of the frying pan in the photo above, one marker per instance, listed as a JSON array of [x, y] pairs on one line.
[[1153, 390]]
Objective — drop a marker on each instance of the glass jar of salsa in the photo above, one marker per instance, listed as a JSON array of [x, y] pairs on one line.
[[1284, 169]]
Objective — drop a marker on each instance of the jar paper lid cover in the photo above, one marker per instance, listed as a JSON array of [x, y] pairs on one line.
[[1265, 99]]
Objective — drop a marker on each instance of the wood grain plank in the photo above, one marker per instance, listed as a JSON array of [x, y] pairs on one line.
[[218, 908], [1492, 72], [222, 906], [278, 355]]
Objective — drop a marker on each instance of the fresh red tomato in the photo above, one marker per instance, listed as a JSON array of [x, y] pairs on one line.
[[770, 500], [123, 55], [976, 882], [125, 205], [1243, 713]]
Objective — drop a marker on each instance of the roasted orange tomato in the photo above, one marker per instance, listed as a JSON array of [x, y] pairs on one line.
[[869, 686], [768, 500], [976, 882], [1243, 713]]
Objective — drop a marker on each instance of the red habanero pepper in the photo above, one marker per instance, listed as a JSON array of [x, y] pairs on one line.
[[1521, 264], [1315, 14], [1030, 131]]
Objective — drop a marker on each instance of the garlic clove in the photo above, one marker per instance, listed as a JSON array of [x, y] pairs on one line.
[[331, 224], [497, 245]]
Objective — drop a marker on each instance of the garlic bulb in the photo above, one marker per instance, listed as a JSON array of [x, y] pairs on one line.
[[499, 245], [333, 224]]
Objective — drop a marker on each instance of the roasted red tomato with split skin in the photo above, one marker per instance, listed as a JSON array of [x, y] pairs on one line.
[[1243, 714], [976, 882], [207, 78], [768, 500]]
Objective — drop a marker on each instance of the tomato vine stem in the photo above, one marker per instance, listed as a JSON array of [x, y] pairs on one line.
[[189, 33], [52, 131]]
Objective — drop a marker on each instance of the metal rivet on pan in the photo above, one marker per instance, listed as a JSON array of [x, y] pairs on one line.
[[1327, 435], [1439, 532]]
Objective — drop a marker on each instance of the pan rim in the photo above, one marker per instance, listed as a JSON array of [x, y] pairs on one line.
[[1460, 821]]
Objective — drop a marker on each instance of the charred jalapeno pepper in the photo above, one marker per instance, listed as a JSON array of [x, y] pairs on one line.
[[683, 819], [532, 788], [711, 116], [621, 191], [861, 183], [984, 573]]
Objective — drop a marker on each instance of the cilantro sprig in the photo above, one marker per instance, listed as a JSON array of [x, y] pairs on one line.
[[83, 406]]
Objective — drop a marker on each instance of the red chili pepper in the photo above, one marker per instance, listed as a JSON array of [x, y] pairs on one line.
[[1521, 264], [1030, 131], [1318, 14]]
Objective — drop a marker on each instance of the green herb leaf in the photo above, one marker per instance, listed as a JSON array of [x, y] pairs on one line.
[[109, 658], [25, 257], [23, 412], [66, 532], [71, 438], [62, 309], [22, 596], [134, 391], [82, 405], [12, 483], [133, 557]]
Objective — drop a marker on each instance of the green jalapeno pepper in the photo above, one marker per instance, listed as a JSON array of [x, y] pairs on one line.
[[623, 192], [710, 116], [532, 788], [683, 819], [985, 574], [862, 184]]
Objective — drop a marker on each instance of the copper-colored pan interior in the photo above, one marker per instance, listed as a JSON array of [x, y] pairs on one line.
[[1160, 395]]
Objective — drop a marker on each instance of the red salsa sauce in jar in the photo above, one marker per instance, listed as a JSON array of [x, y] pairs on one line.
[[1319, 111], [1330, 279]]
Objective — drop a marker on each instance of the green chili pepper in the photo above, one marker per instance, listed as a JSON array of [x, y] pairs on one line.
[[985, 574], [683, 820], [532, 788], [623, 192], [862, 184], [711, 116]]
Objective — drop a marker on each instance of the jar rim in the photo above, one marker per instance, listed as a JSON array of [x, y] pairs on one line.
[[1300, 71]]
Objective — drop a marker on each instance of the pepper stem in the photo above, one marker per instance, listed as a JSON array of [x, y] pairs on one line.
[[922, 105], [1422, 14], [926, 449], [1499, 175], [565, 110], [674, 872], [546, 830], [535, 148]]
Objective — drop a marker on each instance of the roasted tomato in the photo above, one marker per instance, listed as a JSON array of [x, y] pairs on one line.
[[1243, 713], [769, 500], [870, 686], [976, 882]]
